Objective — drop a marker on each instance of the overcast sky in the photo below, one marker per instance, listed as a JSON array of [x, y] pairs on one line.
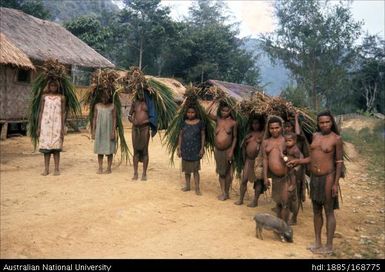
[[257, 17]]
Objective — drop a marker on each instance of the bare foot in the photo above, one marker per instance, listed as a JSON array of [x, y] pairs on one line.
[[185, 189], [100, 171], [144, 177], [108, 171], [292, 222], [238, 202], [222, 197], [313, 247], [198, 192], [45, 172], [322, 250], [135, 177], [56, 173], [227, 196], [253, 203]]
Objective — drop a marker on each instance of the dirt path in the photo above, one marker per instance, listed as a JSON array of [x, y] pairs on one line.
[[84, 215]]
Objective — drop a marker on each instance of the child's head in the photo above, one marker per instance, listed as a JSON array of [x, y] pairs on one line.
[[224, 109], [191, 113], [289, 127], [105, 97], [257, 123], [275, 126], [290, 139], [53, 86]]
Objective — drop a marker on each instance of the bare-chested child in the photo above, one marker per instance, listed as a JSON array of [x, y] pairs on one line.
[[250, 149], [139, 118], [275, 167], [225, 140], [51, 125], [191, 143], [103, 131], [292, 152], [326, 163]]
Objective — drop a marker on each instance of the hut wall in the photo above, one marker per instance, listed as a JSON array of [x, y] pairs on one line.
[[14, 96]]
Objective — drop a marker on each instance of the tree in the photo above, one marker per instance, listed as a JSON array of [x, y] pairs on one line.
[[214, 50], [315, 41], [369, 79], [145, 24], [90, 30], [33, 7], [297, 95]]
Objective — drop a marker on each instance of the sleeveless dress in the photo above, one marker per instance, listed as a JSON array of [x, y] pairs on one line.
[[103, 143], [51, 125]]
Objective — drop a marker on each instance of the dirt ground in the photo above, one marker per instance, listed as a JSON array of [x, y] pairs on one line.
[[84, 215]]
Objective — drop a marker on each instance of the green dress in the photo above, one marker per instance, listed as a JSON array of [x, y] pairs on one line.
[[103, 143]]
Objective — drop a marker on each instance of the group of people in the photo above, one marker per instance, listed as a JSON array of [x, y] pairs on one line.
[[277, 150]]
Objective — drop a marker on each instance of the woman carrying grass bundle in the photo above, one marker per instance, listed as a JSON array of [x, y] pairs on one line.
[[51, 125], [250, 149], [225, 141], [191, 142], [103, 131], [326, 166]]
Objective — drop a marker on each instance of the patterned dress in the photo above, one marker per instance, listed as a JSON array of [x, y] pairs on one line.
[[51, 125], [103, 129], [191, 146]]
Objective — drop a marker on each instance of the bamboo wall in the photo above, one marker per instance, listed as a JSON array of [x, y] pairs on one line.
[[14, 96]]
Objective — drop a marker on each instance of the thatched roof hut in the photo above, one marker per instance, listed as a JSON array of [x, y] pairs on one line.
[[235, 90], [41, 40], [11, 55]]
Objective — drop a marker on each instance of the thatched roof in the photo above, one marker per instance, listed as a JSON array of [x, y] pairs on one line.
[[41, 40], [238, 91], [11, 55]]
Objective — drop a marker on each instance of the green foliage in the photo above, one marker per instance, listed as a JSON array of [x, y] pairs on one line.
[[296, 95], [368, 80], [90, 30], [164, 103], [33, 7], [315, 41]]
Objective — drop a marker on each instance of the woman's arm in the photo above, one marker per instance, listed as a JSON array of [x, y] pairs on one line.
[[63, 115], [40, 115], [114, 119], [93, 127], [339, 162], [179, 143], [203, 140]]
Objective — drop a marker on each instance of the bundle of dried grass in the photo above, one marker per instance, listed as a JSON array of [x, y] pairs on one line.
[[263, 104]]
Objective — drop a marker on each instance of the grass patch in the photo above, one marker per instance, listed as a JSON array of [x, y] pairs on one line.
[[370, 144]]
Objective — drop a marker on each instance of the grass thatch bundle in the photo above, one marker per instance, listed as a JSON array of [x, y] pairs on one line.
[[190, 100], [262, 104], [104, 83], [52, 71], [135, 84]]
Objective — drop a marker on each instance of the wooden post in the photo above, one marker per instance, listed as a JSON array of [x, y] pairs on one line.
[[4, 131]]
